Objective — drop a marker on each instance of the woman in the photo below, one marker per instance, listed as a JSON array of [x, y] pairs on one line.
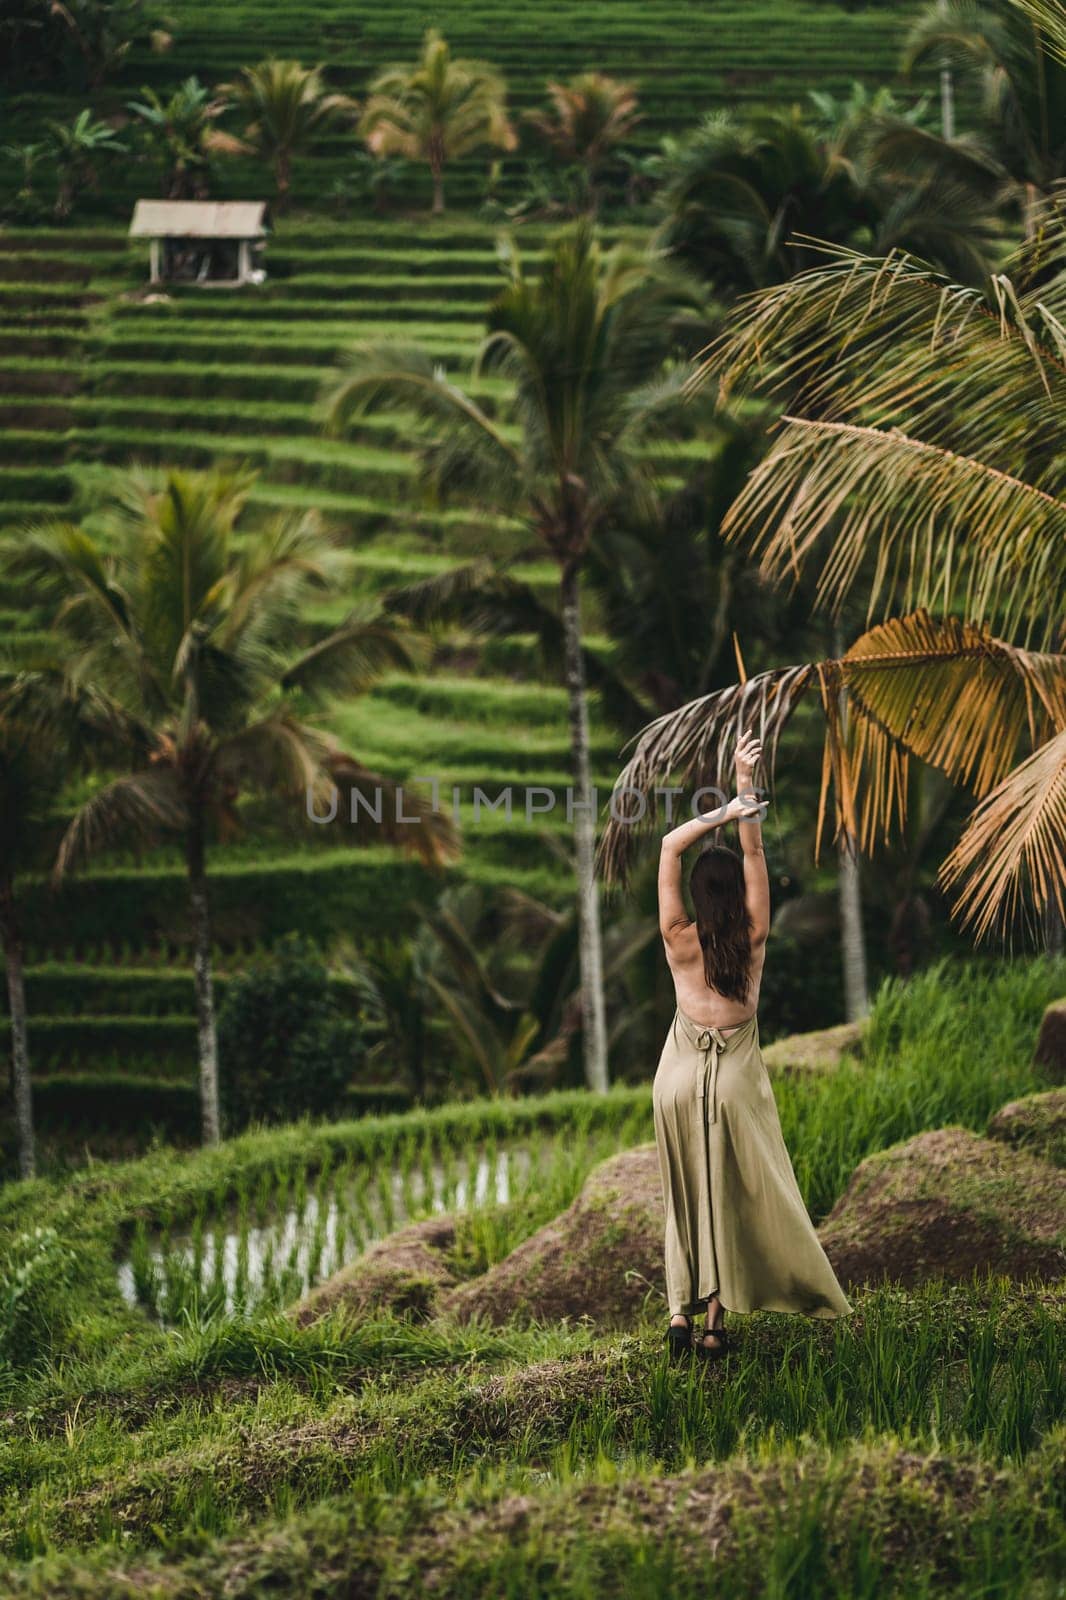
[[738, 1236]]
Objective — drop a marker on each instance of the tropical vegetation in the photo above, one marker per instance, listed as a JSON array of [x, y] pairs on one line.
[[436, 111]]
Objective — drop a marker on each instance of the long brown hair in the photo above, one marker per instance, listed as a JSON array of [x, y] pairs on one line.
[[722, 921]]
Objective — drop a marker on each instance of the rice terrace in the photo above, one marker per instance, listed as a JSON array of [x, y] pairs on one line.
[[533, 800]]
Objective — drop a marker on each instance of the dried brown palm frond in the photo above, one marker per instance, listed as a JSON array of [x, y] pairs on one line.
[[948, 693], [945, 691], [944, 529], [1014, 846], [924, 436], [693, 747], [889, 341]]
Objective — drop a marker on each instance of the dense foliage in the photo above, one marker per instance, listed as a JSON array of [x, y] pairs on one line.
[[287, 1048]]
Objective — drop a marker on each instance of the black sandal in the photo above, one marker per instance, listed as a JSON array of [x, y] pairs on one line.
[[712, 1352], [678, 1339]]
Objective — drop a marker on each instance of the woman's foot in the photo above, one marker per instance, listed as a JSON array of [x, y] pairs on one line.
[[713, 1340], [679, 1336]]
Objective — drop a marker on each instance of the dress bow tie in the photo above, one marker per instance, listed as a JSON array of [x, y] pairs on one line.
[[711, 1042]]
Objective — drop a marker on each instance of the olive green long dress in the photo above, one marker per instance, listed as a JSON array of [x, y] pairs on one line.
[[736, 1223]]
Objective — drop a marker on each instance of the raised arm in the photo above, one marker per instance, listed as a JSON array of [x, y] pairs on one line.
[[672, 913], [756, 877]]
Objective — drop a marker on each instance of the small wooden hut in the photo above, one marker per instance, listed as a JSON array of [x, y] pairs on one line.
[[202, 241]]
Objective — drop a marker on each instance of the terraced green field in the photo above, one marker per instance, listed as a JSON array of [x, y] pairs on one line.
[[684, 59], [93, 375]]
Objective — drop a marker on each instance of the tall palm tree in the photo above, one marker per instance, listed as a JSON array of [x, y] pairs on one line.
[[922, 462], [182, 130], [437, 110], [742, 197], [189, 627], [587, 119], [584, 341], [1020, 84], [50, 727], [288, 105], [29, 775]]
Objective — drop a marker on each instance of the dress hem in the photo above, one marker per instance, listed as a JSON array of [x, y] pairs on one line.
[[823, 1314]]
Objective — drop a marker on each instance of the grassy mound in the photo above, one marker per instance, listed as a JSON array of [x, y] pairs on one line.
[[1050, 1053], [945, 1204], [601, 1257], [878, 1518], [1037, 1122], [819, 1051], [404, 1272]]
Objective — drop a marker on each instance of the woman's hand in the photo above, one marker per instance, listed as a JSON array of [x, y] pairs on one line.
[[743, 809], [749, 753]]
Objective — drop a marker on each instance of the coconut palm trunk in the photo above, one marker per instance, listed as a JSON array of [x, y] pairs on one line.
[[207, 1037], [590, 942], [436, 167], [20, 1052], [282, 179], [852, 939], [849, 894]]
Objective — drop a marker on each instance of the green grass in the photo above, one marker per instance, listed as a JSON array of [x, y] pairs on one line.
[[236, 1451]]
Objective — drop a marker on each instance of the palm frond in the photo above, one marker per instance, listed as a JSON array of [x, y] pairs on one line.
[[353, 657], [1050, 18], [290, 554], [461, 445], [64, 566], [144, 805], [1014, 847], [946, 692], [392, 813], [889, 342], [278, 755], [469, 1024], [693, 747], [943, 691], [945, 529]]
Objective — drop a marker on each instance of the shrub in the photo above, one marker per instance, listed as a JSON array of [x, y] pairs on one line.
[[286, 1046], [34, 1273]]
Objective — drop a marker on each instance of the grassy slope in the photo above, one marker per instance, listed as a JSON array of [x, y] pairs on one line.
[[242, 1456]]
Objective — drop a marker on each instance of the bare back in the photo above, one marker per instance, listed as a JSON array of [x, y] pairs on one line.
[[680, 937], [695, 998]]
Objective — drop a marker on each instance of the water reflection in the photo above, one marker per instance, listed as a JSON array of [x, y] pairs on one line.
[[239, 1262]]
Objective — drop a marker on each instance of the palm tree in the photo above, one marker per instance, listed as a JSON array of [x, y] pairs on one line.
[[588, 118], [288, 105], [182, 129], [189, 628], [29, 776], [922, 460], [77, 148], [49, 728], [1020, 85], [437, 111], [584, 342], [742, 198]]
